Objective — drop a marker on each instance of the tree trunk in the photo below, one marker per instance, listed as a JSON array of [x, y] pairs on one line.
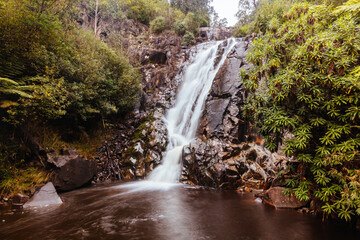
[[96, 17]]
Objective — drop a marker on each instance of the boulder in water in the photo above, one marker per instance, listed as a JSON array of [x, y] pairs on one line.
[[45, 196], [71, 170], [275, 197]]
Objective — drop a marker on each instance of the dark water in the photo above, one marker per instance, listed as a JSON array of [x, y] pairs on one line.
[[112, 212]]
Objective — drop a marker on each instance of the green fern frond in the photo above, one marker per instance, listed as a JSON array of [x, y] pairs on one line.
[[7, 82], [14, 92], [7, 103]]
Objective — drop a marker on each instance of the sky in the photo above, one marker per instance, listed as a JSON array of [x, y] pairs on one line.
[[226, 9]]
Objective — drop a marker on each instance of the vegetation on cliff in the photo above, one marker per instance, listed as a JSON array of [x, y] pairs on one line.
[[305, 85], [59, 80]]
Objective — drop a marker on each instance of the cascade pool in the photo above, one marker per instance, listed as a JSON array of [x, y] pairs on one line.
[[164, 212]]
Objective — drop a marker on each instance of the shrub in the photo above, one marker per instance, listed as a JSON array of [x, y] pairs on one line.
[[305, 81], [158, 25], [72, 74], [192, 23], [188, 39], [180, 27]]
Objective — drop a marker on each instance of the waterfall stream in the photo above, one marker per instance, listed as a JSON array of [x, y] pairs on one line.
[[182, 119]]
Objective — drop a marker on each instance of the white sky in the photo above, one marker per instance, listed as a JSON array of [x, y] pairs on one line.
[[226, 9]]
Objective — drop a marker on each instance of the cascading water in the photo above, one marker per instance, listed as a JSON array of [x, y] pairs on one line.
[[183, 119]]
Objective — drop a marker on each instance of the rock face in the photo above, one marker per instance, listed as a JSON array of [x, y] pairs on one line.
[[71, 170], [45, 196], [222, 116], [275, 197], [217, 33], [227, 152], [138, 144]]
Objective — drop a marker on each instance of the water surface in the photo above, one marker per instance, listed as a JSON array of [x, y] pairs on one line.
[[165, 212]]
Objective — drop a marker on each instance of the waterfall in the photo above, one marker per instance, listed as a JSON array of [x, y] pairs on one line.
[[182, 119]]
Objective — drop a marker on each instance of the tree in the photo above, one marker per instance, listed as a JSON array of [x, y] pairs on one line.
[[216, 22], [96, 17], [246, 12], [195, 6]]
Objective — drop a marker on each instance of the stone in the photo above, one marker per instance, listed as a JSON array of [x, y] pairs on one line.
[[20, 198], [254, 184], [45, 196], [275, 197], [215, 112], [71, 171]]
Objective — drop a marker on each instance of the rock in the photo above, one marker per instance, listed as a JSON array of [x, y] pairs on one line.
[[45, 196], [71, 171], [216, 33], [275, 197], [153, 56], [254, 183], [20, 198], [215, 113]]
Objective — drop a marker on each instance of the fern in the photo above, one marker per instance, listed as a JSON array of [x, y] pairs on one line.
[[10, 90]]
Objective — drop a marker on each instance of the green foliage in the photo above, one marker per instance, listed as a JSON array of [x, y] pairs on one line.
[[255, 17], [196, 6], [9, 90], [157, 14], [188, 39], [158, 25], [352, 7], [15, 180], [180, 27], [192, 22], [72, 75], [305, 84], [16, 175]]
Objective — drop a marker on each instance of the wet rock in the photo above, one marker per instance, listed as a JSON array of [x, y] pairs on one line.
[[45, 196], [275, 197], [20, 198], [214, 113], [254, 184], [71, 170]]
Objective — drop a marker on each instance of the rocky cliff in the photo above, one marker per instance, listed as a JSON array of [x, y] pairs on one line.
[[227, 152]]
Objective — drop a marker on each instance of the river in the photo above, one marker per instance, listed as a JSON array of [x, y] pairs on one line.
[[119, 211]]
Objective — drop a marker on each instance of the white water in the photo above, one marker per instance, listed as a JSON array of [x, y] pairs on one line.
[[183, 119]]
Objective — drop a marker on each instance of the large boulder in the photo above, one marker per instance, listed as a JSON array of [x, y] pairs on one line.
[[45, 196], [275, 197], [71, 170]]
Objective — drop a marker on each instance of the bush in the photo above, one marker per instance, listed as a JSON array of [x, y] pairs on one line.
[[241, 31], [180, 27], [192, 23], [158, 25], [257, 19], [305, 81], [72, 74], [188, 39]]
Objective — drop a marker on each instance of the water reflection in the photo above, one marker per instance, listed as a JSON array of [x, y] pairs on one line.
[[166, 212]]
